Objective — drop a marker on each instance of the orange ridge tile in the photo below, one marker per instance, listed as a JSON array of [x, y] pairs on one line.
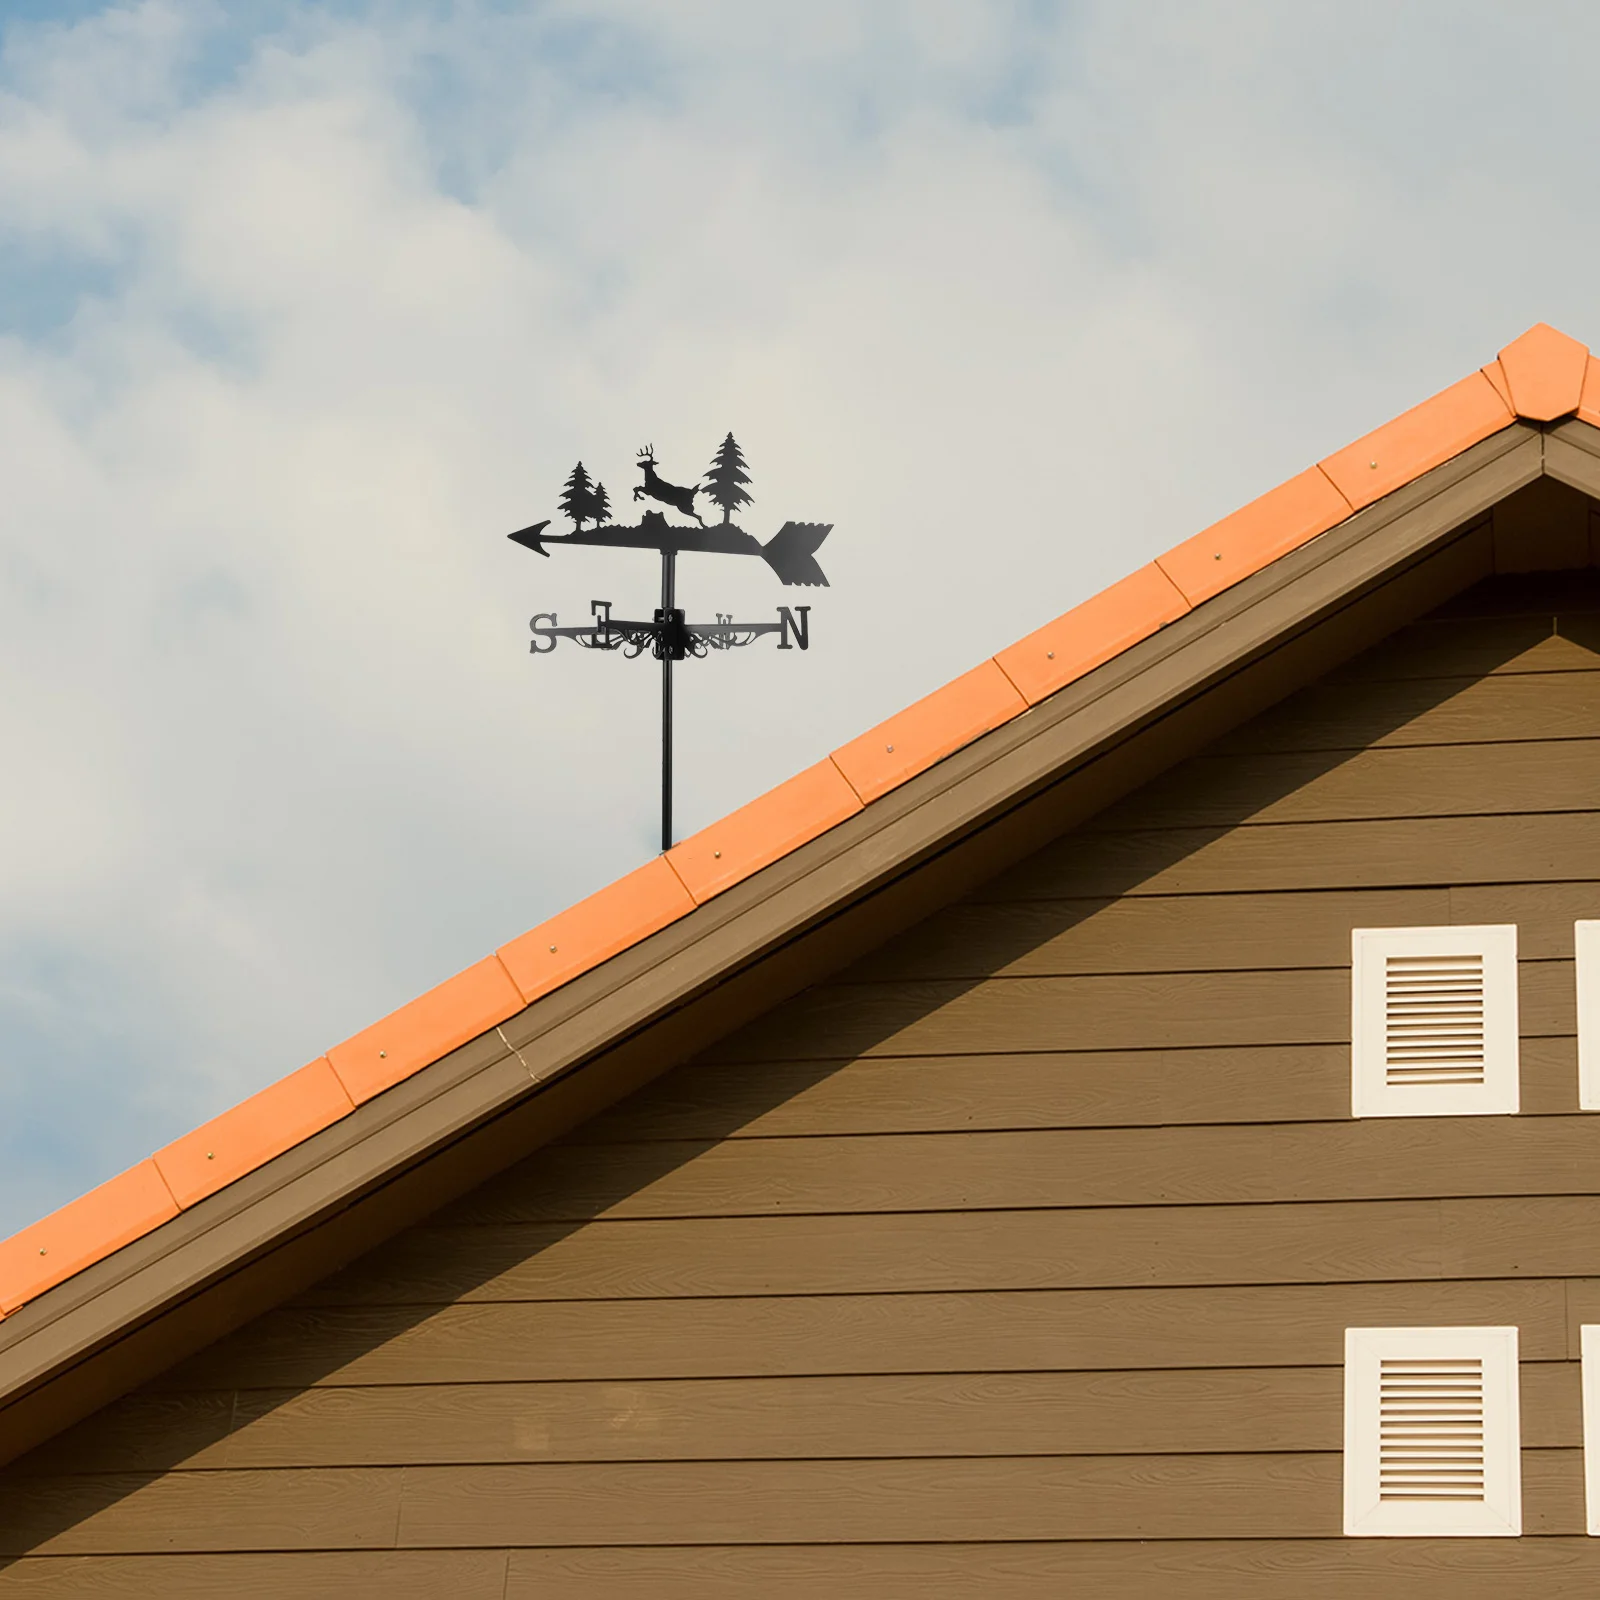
[[250, 1134], [1092, 633], [757, 834], [939, 724], [83, 1232], [617, 917], [1279, 521], [425, 1029], [1589, 399], [1545, 372], [1418, 440], [1496, 375]]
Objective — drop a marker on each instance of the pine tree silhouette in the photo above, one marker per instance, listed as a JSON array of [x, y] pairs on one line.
[[727, 477], [600, 505], [577, 500]]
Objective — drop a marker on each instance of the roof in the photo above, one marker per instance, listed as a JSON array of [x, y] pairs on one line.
[[486, 1019]]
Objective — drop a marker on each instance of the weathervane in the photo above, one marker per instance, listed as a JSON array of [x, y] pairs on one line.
[[790, 552]]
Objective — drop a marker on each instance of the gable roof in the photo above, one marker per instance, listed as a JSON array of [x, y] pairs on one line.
[[391, 1122]]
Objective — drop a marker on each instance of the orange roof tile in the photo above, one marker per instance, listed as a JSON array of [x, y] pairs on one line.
[[1104, 626], [1540, 376], [913, 739], [253, 1132], [1589, 398], [1280, 521], [1418, 440], [596, 929], [83, 1232], [1495, 373], [427, 1028], [1544, 372], [771, 825]]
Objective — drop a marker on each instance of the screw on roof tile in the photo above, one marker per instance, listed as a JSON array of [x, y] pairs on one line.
[[383, 1055], [889, 748], [1217, 556], [716, 855], [1049, 655], [1372, 464], [43, 1251], [211, 1155], [552, 949]]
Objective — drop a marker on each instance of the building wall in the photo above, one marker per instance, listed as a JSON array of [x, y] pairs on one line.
[[1016, 1262]]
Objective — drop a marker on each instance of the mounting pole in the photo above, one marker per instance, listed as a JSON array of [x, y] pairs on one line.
[[669, 560]]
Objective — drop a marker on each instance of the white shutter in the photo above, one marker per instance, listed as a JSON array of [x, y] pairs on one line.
[[1434, 1021], [1591, 1425], [1431, 1433], [1588, 943]]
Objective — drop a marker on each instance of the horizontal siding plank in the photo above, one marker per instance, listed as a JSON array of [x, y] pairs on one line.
[[1375, 1158], [1331, 786], [1265, 1495], [1553, 1568], [1543, 912], [1119, 1011], [896, 1415], [928, 1094], [1287, 1325], [920, 1252], [944, 1252], [1211, 933], [321, 1575], [752, 1502], [1411, 852], [1067, 1089], [1153, 933], [1471, 647], [133, 1513], [1416, 711]]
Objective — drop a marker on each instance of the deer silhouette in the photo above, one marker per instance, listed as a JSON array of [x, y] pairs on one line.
[[669, 494]]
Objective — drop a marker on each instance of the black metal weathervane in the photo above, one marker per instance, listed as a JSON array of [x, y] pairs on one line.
[[790, 552]]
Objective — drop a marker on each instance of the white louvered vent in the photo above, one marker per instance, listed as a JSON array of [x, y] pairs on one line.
[[1590, 1336], [1432, 1019], [1434, 1023], [1586, 939], [1431, 1432]]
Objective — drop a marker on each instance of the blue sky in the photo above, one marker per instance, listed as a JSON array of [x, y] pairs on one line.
[[302, 308]]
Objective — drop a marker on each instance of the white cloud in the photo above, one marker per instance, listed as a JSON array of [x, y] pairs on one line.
[[1016, 296]]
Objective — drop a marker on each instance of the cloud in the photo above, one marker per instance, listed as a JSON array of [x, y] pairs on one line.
[[311, 306]]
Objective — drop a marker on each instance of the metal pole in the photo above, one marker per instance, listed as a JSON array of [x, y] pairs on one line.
[[668, 601]]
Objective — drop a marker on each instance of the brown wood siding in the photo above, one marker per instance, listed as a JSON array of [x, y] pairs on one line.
[[1015, 1261]]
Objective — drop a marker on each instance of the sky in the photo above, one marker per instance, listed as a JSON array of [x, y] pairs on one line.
[[303, 308]]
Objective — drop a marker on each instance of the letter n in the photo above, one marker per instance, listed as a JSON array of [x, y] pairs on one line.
[[800, 631]]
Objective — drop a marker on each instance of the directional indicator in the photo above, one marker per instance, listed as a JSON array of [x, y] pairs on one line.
[[670, 638], [791, 553]]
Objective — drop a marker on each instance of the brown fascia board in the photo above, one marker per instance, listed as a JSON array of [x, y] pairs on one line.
[[492, 1102]]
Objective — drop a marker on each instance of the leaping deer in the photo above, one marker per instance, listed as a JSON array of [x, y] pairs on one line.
[[669, 494]]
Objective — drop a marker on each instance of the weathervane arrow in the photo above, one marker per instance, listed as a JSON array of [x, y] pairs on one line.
[[791, 553]]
